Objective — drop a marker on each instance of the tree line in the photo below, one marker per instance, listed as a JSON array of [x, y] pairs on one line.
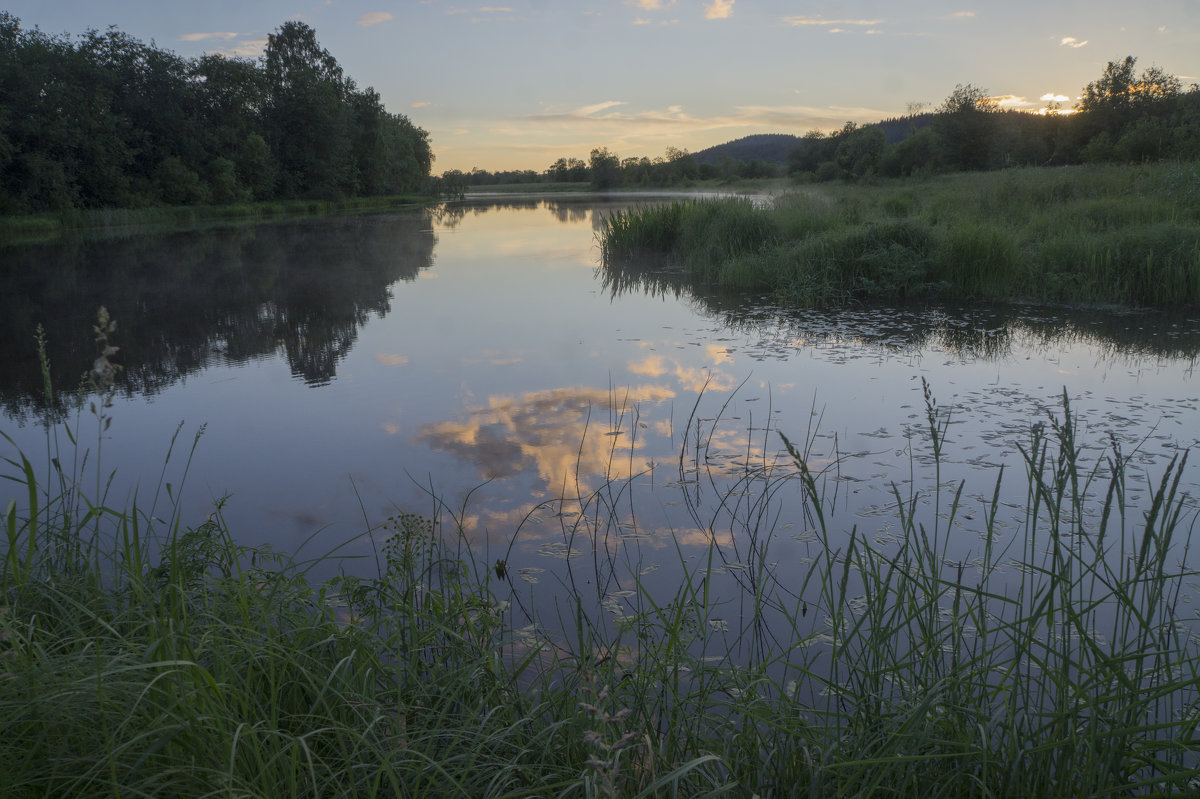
[[603, 170], [104, 120], [1123, 117]]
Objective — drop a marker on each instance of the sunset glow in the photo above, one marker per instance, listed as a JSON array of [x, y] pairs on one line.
[[518, 85]]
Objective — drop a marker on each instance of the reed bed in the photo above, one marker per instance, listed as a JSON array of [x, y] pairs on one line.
[[140, 656], [1126, 235]]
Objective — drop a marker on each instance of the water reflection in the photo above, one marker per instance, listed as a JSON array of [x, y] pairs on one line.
[[190, 300], [523, 368], [989, 332], [568, 436]]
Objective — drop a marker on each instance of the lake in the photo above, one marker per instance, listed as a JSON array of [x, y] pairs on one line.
[[476, 364]]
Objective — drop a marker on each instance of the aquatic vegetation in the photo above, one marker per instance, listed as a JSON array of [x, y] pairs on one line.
[[141, 656], [1114, 235]]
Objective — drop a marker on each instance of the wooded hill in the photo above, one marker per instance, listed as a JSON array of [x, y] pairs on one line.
[[771, 148]]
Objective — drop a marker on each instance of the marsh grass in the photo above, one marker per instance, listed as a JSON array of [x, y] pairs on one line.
[[143, 657], [1097, 234]]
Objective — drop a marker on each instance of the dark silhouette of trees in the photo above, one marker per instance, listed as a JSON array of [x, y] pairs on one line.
[[1123, 117], [962, 126], [104, 120], [605, 168], [859, 150]]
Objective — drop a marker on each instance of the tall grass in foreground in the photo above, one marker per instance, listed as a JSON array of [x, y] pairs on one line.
[[1096, 234], [139, 657]]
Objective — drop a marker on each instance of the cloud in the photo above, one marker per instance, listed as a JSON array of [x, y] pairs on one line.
[[1071, 41], [248, 47], [584, 112], [718, 9], [806, 21], [490, 14], [650, 5], [556, 434], [1009, 102], [718, 354], [1051, 97], [420, 104], [694, 379], [390, 359], [200, 37], [617, 124], [806, 117], [534, 140], [373, 18], [962, 15]]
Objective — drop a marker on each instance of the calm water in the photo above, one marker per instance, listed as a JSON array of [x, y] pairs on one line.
[[475, 363]]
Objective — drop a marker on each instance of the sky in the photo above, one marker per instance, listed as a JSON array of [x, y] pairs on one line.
[[521, 83]]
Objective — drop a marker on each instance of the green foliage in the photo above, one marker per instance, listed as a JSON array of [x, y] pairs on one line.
[[1116, 235], [108, 121], [1122, 118], [859, 151], [143, 657], [605, 168]]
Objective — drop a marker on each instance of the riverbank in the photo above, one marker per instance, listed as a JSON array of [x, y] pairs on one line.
[[758, 187], [40, 228], [1120, 235], [141, 656]]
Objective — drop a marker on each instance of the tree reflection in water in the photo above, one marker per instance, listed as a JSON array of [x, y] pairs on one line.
[[187, 300]]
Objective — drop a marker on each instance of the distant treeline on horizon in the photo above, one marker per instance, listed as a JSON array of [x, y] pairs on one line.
[[1123, 117], [103, 120]]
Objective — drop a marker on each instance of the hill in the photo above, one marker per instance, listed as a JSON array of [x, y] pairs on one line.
[[772, 148]]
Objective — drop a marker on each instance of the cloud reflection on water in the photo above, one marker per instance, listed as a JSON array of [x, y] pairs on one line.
[[565, 434]]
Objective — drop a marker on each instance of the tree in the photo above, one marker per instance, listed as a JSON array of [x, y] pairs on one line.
[[815, 149], [1120, 96], [568, 170], [681, 165], [605, 167], [859, 151], [962, 128], [105, 120], [308, 121]]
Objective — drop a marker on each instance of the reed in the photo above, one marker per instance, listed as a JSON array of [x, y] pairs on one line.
[[140, 656], [1098, 234]]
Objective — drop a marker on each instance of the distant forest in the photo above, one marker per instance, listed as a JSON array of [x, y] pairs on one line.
[[103, 120], [1123, 117]]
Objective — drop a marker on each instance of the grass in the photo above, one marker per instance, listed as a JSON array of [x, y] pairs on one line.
[[1124, 235], [142, 657], [49, 227]]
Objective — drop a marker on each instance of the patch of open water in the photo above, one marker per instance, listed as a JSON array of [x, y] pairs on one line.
[[474, 363]]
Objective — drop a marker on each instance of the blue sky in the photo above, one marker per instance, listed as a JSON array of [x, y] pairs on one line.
[[516, 84]]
